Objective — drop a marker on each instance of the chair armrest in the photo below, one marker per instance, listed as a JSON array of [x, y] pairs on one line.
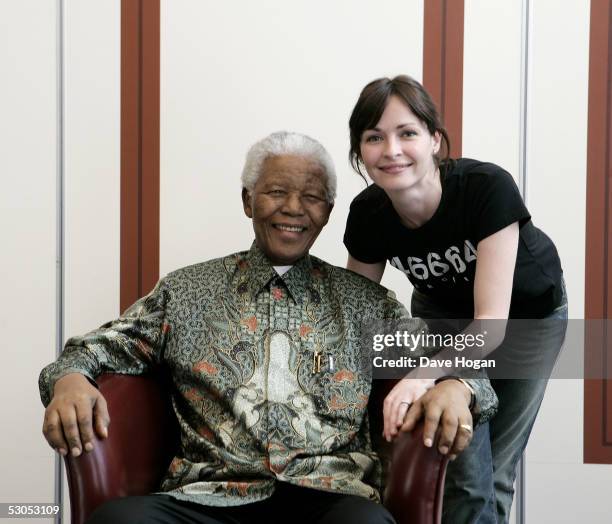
[[142, 438], [415, 482]]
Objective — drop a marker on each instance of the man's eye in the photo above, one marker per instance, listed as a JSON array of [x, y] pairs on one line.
[[313, 197], [276, 192]]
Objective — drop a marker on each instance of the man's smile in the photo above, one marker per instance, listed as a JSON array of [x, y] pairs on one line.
[[290, 227]]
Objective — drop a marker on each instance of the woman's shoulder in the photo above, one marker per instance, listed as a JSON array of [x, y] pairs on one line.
[[370, 202], [468, 167], [475, 175]]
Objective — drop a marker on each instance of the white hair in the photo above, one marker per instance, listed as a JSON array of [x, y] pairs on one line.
[[286, 143]]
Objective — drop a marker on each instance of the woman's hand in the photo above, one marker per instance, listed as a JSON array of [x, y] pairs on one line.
[[397, 402], [445, 409]]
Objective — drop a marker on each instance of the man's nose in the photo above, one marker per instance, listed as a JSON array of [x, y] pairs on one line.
[[293, 205]]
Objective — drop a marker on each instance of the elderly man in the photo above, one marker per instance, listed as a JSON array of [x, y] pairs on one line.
[[264, 352]]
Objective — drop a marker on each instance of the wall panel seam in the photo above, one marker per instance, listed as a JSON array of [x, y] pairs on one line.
[[60, 240]]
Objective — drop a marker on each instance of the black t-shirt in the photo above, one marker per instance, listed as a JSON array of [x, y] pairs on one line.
[[439, 258]]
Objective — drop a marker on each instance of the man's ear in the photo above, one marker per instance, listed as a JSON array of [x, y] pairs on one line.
[[331, 206], [246, 203]]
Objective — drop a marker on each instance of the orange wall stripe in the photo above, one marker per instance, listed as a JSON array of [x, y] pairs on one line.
[[443, 63], [139, 266], [598, 274]]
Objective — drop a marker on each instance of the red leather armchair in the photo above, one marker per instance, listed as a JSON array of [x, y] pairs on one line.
[[141, 443]]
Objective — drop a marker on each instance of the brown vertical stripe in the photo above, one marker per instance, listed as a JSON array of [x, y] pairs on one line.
[[130, 151], [598, 274], [139, 148], [443, 63], [149, 216]]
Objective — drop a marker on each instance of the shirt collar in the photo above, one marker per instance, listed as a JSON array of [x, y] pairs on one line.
[[258, 272]]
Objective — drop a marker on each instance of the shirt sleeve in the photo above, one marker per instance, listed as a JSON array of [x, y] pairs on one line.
[[486, 403], [496, 203], [364, 234], [132, 345]]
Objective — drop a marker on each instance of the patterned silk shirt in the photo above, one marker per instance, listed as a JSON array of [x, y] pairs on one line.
[[270, 380]]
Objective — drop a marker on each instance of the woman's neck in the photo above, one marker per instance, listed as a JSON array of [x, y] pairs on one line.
[[416, 205]]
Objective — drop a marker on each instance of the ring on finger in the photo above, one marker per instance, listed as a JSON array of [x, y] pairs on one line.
[[466, 427], [405, 402]]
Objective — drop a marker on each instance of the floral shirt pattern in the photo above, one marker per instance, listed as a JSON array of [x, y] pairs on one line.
[[270, 380]]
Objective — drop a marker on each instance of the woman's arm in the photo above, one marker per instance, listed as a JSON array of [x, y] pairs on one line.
[[496, 259], [495, 273], [372, 271], [493, 286]]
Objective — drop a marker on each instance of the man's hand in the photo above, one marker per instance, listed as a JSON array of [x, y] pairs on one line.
[[446, 411], [397, 402], [76, 404]]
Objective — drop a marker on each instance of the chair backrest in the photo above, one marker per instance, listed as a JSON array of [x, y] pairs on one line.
[[137, 452], [414, 474]]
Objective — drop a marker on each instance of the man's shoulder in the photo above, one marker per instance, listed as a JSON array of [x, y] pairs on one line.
[[351, 284], [212, 271]]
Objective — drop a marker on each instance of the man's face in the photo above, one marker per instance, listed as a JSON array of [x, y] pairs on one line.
[[288, 206]]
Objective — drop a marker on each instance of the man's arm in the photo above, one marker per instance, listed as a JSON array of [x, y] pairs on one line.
[[131, 345]]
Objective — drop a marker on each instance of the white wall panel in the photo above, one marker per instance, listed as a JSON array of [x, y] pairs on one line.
[[569, 493], [234, 72], [92, 159], [28, 209], [557, 132], [560, 488], [92, 166], [28, 31], [492, 82]]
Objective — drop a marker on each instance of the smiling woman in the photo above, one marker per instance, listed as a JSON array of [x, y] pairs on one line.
[[399, 141], [459, 230]]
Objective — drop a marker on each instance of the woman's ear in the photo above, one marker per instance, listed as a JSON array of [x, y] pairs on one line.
[[437, 141]]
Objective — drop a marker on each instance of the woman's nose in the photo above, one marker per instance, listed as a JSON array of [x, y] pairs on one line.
[[392, 148]]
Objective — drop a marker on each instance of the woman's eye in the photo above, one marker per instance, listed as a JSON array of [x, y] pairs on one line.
[[373, 138], [409, 133]]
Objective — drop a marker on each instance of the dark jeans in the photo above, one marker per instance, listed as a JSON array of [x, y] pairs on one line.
[[480, 482], [291, 504]]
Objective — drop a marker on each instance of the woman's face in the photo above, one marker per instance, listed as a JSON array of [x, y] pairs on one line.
[[398, 152]]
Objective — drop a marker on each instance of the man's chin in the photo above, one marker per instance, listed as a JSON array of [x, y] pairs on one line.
[[283, 253]]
